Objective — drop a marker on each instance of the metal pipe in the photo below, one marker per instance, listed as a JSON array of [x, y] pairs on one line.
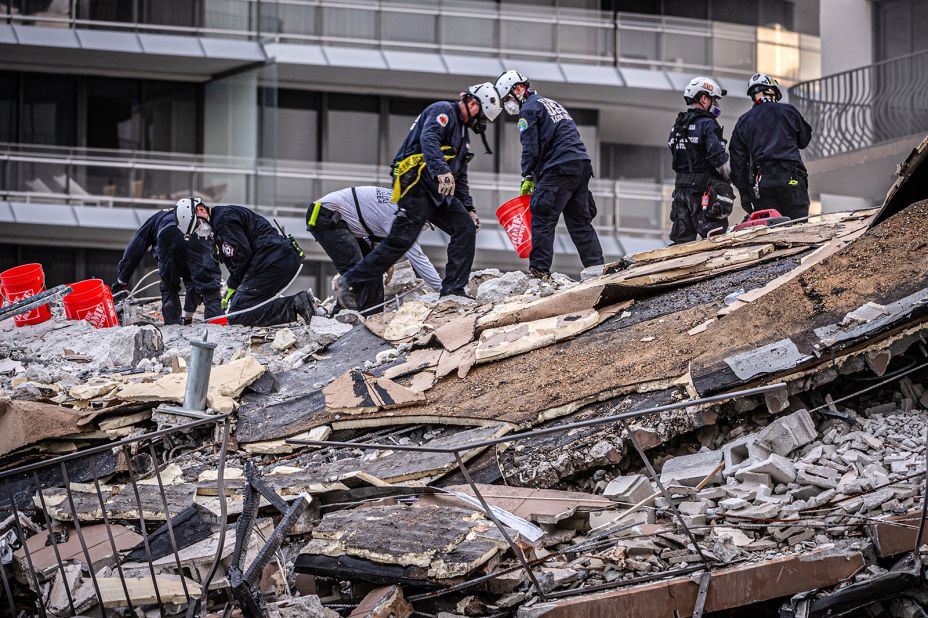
[[201, 364]]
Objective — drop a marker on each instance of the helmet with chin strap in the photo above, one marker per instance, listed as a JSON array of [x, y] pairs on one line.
[[702, 85], [506, 83], [761, 82], [488, 98], [185, 214]]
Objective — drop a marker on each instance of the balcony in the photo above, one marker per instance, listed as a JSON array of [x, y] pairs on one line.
[[104, 186], [470, 28], [865, 121]]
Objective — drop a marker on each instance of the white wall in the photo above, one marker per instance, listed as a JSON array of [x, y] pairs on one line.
[[847, 34]]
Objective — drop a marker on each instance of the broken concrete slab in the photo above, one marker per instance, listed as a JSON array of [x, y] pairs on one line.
[[788, 433], [97, 542], [779, 468], [226, 383], [119, 500], [730, 587], [442, 542], [690, 470], [629, 490], [359, 391], [26, 422]]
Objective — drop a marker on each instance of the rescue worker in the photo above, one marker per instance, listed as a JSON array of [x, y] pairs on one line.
[[556, 171], [261, 261], [430, 184], [766, 165], [701, 164], [177, 261], [349, 223]]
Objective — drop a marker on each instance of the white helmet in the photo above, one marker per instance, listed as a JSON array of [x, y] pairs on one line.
[[760, 82], [509, 80], [185, 214], [702, 85], [489, 99]]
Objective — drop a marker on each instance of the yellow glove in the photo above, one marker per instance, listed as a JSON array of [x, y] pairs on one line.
[[528, 186], [224, 303]]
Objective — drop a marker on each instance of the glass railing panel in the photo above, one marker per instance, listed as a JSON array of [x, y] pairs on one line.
[[778, 60], [591, 41], [355, 23], [524, 35], [162, 184], [733, 47], [298, 18], [106, 180], [36, 177], [400, 27], [238, 15], [469, 33], [224, 188]]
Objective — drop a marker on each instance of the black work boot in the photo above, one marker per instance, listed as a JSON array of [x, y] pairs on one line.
[[537, 274], [303, 305], [345, 295]]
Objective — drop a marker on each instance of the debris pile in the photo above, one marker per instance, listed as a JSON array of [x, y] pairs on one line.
[[727, 423]]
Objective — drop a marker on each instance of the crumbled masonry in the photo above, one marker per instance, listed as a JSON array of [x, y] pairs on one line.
[[800, 498]]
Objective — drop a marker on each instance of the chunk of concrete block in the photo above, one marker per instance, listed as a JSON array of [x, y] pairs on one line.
[[601, 518], [741, 452], [786, 434], [779, 468], [629, 490], [690, 470]]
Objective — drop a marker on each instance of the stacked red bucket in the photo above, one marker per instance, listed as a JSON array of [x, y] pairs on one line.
[[20, 283], [91, 301]]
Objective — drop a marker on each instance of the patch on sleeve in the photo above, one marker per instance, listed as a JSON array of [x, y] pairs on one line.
[[523, 125], [442, 119], [228, 250]]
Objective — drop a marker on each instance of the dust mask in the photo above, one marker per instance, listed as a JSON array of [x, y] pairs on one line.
[[204, 230], [512, 107]]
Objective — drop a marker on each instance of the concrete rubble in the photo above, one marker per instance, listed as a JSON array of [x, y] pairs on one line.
[[797, 500]]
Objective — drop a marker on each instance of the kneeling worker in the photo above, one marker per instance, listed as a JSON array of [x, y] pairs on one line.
[[261, 262], [190, 262], [702, 194], [349, 223]]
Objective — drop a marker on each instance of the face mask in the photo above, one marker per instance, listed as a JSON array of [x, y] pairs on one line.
[[204, 230], [715, 110], [512, 107]]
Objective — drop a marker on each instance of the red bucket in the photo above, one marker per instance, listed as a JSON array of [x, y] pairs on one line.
[[91, 301], [20, 283], [516, 218]]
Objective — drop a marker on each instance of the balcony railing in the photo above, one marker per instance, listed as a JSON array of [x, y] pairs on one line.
[[119, 178], [466, 27], [865, 107]]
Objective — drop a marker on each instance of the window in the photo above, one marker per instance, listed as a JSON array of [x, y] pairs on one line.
[[9, 102], [352, 129], [114, 113], [292, 129], [170, 117], [49, 114]]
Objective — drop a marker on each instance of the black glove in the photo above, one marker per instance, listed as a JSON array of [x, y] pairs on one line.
[[119, 286]]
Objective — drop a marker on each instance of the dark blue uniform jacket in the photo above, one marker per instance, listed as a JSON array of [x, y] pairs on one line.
[[699, 148], [549, 136], [770, 132], [440, 124], [172, 253], [246, 241]]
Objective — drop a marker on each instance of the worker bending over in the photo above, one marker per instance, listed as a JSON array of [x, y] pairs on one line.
[[261, 261], [349, 223], [430, 184], [190, 262], [556, 171], [702, 193], [766, 166]]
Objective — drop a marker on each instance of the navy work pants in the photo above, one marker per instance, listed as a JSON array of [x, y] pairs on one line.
[[564, 189], [267, 275], [421, 204], [345, 250]]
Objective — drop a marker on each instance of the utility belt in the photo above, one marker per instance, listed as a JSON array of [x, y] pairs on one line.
[[718, 197], [794, 169], [407, 172]]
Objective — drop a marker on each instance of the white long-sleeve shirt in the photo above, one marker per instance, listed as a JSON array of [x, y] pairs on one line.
[[378, 213]]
